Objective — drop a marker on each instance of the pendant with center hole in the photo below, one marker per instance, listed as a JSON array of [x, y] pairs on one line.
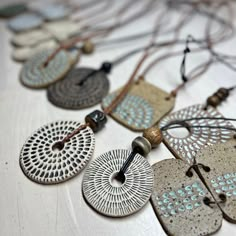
[[46, 160], [114, 198], [186, 146], [142, 107], [81, 88], [35, 75], [25, 22]]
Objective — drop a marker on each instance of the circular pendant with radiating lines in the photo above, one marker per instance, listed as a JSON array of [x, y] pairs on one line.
[[81, 88], [113, 198], [35, 75], [46, 160]]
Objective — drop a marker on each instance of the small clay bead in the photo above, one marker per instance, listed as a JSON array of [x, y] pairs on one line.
[[106, 67], [213, 101], [88, 47], [153, 135], [97, 119], [141, 145], [224, 92]]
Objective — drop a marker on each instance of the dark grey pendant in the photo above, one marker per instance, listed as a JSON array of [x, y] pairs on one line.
[[81, 88]]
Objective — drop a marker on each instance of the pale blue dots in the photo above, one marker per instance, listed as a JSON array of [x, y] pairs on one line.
[[199, 189], [227, 176], [180, 191], [220, 178], [231, 187], [229, 181], [165, 195], [159, 203], [228, 194], [190, 193], [181, 208], [218, 191], [166, 200], [197, 204], [225, 188], [178, 203], [222, 183], [163, 208], [213, 181], [186, 200], [173, 212], [189, 206], [166, 215], [172, 194], [170, 206], [234, 192], [194, 197], [188, 188], [215, 185], [202, 193]]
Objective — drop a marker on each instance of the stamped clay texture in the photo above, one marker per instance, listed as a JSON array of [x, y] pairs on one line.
[[142, 107], [185, 148], [221, 179], [178, 201]]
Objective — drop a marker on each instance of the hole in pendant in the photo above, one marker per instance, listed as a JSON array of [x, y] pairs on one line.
[[58, 146], [117, 180], [181, 132]]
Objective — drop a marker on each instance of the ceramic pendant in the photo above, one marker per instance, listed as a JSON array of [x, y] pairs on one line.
[[35, 75], [62, 30], [142, 107], [31, 38], [81, 88], [54, 12], [221, 179], [25, 22], [45, 160], [25, 53], [186, 147], [102, 193], [12, 10], [178, 201]]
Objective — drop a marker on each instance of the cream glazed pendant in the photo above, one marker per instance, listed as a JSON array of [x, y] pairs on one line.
[[142, 107]]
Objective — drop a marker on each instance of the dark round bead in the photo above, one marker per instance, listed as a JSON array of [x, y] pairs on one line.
[[213, 101], [96, 119], [106, 67], [141, 145]]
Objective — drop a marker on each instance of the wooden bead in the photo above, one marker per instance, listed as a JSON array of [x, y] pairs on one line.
[[213, 101], [153, 135], [88, 47]]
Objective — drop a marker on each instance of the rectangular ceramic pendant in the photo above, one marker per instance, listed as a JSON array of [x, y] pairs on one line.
[[142, 107], [221, 177], [185, 147], [178, 201]]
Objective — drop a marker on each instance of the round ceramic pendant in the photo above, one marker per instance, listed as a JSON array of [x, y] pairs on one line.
[[81, 88], [35, 75], [24, 53], [185, 145], [31, 38], [25, 22], [54, 12], [142, 107], [12, 10], [117, 199], [45, 160]]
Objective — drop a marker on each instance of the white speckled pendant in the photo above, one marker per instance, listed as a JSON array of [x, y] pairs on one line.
[[124, 199], [142, 107], [35, 75], [178, 201], [221, 179], [186, 147], [24, 53], [43, 158]]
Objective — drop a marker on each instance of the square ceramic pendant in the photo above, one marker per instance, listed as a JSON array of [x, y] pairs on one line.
[[178, 201], [142, 107], [221, 177], [62, 30], [186, 146]]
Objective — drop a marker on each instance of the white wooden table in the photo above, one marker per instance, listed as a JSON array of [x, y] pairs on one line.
[[27, 208]]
